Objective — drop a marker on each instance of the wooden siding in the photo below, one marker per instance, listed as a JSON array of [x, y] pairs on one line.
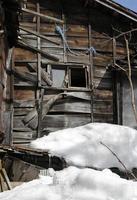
[[31, 90]]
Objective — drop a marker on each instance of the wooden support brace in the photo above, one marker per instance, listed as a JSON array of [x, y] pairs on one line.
[[4, 178], [1, 184], [24, 76], [46, 17], [39, 35], [35, 50], [44, 74]]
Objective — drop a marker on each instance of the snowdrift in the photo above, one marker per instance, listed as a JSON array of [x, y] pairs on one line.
[[75, 184], [81, 146], [91, 146]]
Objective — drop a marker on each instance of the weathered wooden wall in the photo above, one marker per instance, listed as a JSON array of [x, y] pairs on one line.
[[5, 88], [9, 12], [91, 103]]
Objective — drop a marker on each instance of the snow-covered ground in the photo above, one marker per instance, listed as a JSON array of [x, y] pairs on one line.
[[81, 146], [75, 184]]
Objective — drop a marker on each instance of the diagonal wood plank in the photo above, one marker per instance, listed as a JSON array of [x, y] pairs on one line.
[[35, 50], [46, 17]]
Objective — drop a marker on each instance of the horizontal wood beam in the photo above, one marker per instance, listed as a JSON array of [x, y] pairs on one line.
[[35, 50], [46, 17], [39, 35]]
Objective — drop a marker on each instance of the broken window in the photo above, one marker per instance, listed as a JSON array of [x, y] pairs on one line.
[[67, 76], [58, 76]]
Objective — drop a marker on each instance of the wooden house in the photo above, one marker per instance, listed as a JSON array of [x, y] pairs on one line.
[[70, 66]]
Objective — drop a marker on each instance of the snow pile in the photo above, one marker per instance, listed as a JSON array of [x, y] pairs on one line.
[[81, 146], [76, 184], [85, 146]]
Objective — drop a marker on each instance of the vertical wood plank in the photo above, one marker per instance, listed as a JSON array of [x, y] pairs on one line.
[[91, 70], [64, 46], [40, 91], [38, 46]]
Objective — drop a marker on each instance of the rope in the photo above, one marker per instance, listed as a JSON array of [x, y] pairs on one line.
[[92, 50], [61, 33]]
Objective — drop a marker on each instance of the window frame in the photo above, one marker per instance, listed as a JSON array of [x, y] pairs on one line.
[[67, 68]]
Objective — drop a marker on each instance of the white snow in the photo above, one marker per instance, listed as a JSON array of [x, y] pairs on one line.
[[81, 146], [76, 184]]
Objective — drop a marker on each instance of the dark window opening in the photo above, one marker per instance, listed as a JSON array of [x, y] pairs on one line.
[[77, 77]]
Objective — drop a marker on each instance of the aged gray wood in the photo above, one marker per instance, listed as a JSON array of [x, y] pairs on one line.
[[39, 35], [23, 135], [8, 116], [44, 74], [50, 19], [25, 76], [65, 121], [35, 50], [24, 103], [72, 106]]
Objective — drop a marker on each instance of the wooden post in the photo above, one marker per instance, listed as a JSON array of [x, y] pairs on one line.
[[4, 178], [64, 46], [1, 180], [91, 78], [2, 87], [39, 93], [8, 95]]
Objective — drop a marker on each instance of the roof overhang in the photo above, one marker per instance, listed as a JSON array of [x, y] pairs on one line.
[[118, 8]]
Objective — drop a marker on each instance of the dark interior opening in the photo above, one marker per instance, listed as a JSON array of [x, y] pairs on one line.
[[77, 77]]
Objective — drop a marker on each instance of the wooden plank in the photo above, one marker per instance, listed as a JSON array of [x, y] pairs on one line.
[[8, 116], [65, 121], [49, 18], [21, 141], [75, 30], [22, 111], [24, 55], [17, 122], [47, 130], [81, 59], [102, 73], [77, 95], [20, 94], [39, 35], [31, 119], [6, 179], [103, 108], [102, 60], [38, 47], [72, 106], [91, 69], [35, 50], [103, 83], [19, 129], [24, 76], [24, 103], [44, 74], [23, 135], [103, 94]]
